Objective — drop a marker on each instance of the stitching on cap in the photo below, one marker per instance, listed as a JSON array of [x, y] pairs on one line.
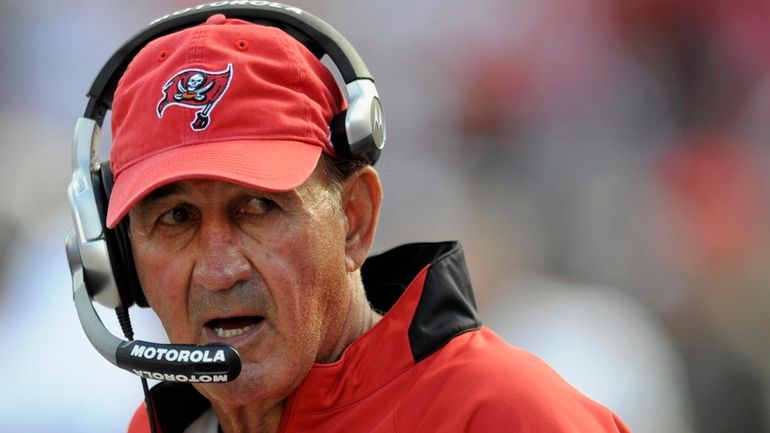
[[195, 58], [293, 51], [198, 44]]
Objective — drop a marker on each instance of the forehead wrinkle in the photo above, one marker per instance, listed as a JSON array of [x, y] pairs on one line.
[[316, 190]]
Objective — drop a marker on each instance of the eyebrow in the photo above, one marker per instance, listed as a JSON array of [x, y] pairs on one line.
[[144, 205], [162, 192]]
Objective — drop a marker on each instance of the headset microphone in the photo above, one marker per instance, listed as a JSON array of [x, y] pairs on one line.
[[169, 362]]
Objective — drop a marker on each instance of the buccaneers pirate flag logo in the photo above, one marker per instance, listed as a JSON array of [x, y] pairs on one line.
[[196, 88]]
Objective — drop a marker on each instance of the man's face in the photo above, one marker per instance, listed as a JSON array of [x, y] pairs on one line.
[[264, 272]]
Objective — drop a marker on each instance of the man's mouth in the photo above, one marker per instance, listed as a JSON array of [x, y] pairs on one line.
[[233, 326]]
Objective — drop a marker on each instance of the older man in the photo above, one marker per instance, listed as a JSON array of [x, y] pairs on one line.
[[249, 228]]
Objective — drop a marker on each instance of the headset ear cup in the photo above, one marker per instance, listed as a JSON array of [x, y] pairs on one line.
[[358, 133], [366, 150], [119, 246]]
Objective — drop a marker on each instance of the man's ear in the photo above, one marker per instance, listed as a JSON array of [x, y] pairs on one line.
[[361, 200]]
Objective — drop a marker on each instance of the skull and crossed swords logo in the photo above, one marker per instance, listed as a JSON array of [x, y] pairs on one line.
[[198, 89], [193, 90]]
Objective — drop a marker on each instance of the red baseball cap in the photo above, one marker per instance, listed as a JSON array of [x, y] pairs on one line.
[[227, 100]]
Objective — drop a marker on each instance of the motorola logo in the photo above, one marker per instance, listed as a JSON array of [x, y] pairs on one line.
[[378, 123]]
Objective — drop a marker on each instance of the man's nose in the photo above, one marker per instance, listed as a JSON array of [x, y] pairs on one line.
[[221, 262]]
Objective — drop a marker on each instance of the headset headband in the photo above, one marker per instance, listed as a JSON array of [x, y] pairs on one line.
[[318, 36]]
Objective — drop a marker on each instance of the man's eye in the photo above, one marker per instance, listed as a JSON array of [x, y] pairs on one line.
[[256, 206], [175, 216]]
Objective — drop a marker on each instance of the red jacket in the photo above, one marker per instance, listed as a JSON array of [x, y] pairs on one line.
[[427, 366]]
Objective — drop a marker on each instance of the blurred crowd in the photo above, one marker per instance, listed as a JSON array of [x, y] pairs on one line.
[[604, 163]]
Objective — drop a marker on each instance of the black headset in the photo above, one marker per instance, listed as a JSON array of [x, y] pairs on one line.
[[101, 261]]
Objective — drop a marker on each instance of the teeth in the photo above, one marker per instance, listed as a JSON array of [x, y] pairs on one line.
[[231, 332]]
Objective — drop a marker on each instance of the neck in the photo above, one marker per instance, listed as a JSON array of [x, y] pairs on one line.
[[248, 419], [359, 318]]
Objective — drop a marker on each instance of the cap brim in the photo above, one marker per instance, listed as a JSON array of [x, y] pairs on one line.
[[270, 165]]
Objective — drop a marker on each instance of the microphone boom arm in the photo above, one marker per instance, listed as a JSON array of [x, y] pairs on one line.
[[169, 362]]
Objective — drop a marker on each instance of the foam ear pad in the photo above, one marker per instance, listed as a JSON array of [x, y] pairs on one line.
[[119, 246]]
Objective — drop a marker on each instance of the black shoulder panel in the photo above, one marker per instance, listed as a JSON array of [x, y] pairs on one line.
[[446, 308]]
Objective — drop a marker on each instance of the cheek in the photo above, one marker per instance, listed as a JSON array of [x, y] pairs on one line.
[[164, 281], [306, 275]]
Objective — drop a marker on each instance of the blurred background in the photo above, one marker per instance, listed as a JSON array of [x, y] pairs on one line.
[[604, 163]]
